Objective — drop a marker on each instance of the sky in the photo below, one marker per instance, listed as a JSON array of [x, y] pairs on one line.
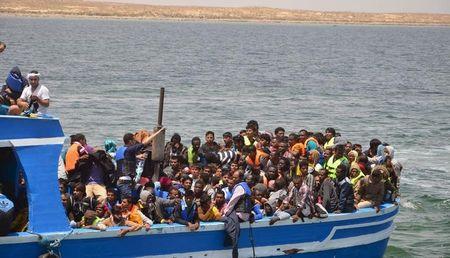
[[380, 6]]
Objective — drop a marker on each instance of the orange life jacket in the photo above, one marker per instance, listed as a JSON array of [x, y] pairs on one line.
[[257, 162], [72, 156]]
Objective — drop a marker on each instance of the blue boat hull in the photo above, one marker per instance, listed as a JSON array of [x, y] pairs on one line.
[[363, 233]]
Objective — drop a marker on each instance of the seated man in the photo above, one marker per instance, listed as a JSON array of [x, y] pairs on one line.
[[116, 219], [132, 213], [36, 98], [370, 190], [207, 211], [327, 191], [344, 189], [11, 91], [299, 203], [185, 212]]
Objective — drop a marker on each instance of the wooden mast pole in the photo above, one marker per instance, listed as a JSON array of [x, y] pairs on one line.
[[159, 141]]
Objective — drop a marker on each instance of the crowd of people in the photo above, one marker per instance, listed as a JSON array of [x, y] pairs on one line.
[[246, 177]]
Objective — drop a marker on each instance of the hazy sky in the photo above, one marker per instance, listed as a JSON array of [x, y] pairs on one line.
[[416, 6]]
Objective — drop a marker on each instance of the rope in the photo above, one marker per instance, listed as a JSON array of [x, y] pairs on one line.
[[51, 246], [252, 240]]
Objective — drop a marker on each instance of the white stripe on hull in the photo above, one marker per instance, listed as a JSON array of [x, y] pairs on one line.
[[32, 142], [277, 250]]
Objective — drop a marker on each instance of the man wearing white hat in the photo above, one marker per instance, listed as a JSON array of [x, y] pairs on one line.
[[36, 98]]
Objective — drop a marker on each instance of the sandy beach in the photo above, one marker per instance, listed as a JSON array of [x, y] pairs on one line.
[[70, 8]]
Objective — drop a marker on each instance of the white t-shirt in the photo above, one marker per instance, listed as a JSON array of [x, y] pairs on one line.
[[41, 92]]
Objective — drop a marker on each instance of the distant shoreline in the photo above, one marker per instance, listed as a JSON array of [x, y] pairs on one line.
[[119, 11], [102, 17]]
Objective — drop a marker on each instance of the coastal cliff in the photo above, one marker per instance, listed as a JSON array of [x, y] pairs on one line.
[[140, 11]]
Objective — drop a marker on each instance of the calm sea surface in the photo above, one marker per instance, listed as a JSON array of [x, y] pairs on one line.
[[388, 82]]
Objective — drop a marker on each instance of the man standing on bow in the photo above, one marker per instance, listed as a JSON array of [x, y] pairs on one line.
[[237, 210]]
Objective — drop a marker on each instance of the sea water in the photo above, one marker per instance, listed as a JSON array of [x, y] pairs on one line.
[[386, 82]]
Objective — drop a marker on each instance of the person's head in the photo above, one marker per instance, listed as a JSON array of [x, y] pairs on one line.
[[226, 178], [280, 183], [2, 47], [198, 188], [89, 217], [196, 143], [227, 139], [175, 162], [235, 178], [189, 197], [176, 138], [147, 197], [302, 135], [341, 172], [339, 151], [279, 132], [62, 185], [195, 171], [79, 191], [218, 172], [166, 183], [205, 201], [264, 140], [126, 203], [303, 165], [352, 156], [33, 78], [80, 138], [254, 124], [220, 198], [272, 173], [373, 144], [250, 151], [174, 193], [282, 147], [354, 170], [330, 133], [323, 173], [283, 165], [320, 138], [111, 195], [377, 174], [297, 181], [293, 139], [209, 137], [250, 180], [100, 210], [234, 166], [358, 148], [186, 181], [258, 194], [215, 180], [64, 199], [238, 141], [205, 177], [207, 169], [128, 139], [251, 131], [348, 147]]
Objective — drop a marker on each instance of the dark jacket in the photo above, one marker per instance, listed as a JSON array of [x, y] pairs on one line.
[[328, 193], [102, 160], [346, 201]]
